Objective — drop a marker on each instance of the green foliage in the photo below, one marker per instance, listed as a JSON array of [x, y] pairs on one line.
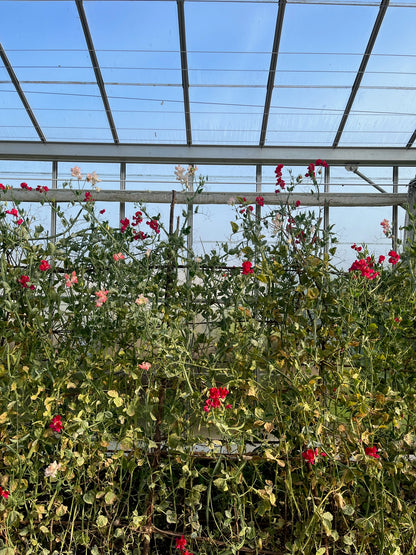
[[240, 407]]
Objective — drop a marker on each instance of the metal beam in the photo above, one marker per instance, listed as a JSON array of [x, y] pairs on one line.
[[96, 67], [21, 94], [272, 199], [411, 140], [205, 154], [184, 68], [382, 10], [272, 70]]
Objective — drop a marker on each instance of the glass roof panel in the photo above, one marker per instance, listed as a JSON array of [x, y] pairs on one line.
[[317, 64], [16, 124], [141, 68], [51, 57], [384, 109], [228, 59]]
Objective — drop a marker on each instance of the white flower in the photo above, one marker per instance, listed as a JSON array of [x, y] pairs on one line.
[[52, 469], [93, 178]]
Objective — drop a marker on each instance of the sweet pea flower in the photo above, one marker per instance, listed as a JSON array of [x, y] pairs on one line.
[[76, 172], [145, 366], [44, 265], [102, 297], [93, 178], [52, 469], [141, 300], [71, 280], [118, 256], [56, 424]]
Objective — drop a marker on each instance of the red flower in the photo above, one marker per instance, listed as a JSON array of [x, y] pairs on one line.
[[309, 455], [154, 224], [372, 452], [44, 265], [260, 201], [398, 320], [88, 197], [24, 281], [181, 543], [19, 221], [322, 163], [4, 493], [297, 203], [137, 218], [381, 259], [358, 249], [394, 257], [124, 224], [311, 171], [2, 187], [42, 189], [140, 235], [56, 424], [215, 396], [247, 267], [102, 211], [25, 186], [12, 212]]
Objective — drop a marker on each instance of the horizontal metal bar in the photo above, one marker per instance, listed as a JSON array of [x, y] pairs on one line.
[[206, 154], [165, 197]]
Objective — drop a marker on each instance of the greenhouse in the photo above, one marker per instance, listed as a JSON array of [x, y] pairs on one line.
[[208, 277]]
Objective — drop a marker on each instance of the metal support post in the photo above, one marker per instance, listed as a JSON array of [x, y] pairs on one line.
[[54, 186], [394, 210], [327, 174], [122, 188]]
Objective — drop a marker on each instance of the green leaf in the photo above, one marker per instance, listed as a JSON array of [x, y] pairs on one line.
[[110, 497], [348, 510], [89, 497], [102, 521], [321, 551], [234, 227]]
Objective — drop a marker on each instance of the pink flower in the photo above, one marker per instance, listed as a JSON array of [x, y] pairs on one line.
[[71, 280], [247, 267], [385, 224], [44, 265], [76, 172], [102, 297], [372, 452], [56, 424], [141, 299], [145, 366], [93, 178], [119, 256]]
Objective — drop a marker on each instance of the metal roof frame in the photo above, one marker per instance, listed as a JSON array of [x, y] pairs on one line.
[[96, 68], [360, 74], [272, 70], [206, 154], [21, 94], [209, 153]]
